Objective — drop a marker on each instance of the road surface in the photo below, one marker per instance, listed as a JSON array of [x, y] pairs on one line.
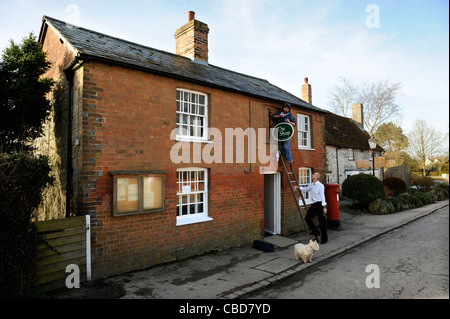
[[410, 262]]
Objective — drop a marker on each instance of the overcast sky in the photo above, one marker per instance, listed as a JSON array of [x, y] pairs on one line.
[[404, 41]]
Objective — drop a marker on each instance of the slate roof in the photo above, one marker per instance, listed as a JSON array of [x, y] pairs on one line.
[[93, 45], [345, 133]]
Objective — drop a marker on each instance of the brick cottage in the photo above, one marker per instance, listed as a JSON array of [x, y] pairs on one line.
[[133, 111]]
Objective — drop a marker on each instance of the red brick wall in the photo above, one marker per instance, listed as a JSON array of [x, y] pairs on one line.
[[124, 122], [127, 119]]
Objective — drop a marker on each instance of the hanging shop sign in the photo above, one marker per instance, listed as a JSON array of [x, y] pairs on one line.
[[283, 132]]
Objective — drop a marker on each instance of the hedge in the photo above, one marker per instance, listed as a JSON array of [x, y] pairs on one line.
[[22, 179], [363, 188]]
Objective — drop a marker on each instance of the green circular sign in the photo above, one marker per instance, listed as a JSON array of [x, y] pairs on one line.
[[283, 132]]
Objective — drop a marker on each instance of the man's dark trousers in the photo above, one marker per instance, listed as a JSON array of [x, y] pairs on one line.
[[314, 210]]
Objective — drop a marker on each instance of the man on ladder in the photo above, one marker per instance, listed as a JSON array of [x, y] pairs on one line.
[[285, 116]]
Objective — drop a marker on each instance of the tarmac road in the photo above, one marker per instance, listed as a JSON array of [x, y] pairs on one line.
[[413, 262]]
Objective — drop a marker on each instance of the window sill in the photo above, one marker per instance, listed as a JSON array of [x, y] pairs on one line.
[[185, 139], [137, 212], [193, 220], [306, 149]]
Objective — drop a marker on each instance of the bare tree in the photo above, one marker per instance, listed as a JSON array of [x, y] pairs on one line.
[[378, 99], [424, 142], [379, 103], [343, 97]]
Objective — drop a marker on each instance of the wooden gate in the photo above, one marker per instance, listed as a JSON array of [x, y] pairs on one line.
[[65, 242]]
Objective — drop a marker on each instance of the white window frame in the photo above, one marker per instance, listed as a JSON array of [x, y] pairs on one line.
[[189, 189], [304, 127], [304, 179], [351, 154], [189, 107]]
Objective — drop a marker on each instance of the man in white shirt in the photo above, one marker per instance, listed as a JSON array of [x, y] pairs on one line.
[[318, 208]]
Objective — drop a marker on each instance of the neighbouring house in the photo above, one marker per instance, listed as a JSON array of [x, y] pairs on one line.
[[137, 134], [347, 147]]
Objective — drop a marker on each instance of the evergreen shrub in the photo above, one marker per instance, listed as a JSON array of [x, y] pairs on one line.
[[394, 186], [22, 179], [363, 188]]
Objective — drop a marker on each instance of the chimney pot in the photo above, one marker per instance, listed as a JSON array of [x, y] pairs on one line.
[[191, 16], [306, 80]]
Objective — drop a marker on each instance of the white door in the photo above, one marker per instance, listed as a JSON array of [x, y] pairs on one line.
[[272, 203]]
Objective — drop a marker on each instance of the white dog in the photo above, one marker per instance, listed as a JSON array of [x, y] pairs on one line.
[[305, 252]]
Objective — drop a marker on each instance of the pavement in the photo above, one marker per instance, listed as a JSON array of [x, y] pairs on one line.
[[238, 272]]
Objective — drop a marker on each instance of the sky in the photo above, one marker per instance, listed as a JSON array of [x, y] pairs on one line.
[[284, 41]]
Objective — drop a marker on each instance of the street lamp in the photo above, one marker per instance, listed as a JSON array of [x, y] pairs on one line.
[[373, 144]]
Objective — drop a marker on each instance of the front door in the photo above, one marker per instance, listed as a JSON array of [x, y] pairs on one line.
[[272, 203]]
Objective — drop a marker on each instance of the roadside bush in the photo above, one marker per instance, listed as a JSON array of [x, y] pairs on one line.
[[423, 183], [412, 198], [440, 191], [363, 188], [396, 202], [419, 198], [442, 186], [394, 186], [22, 179]]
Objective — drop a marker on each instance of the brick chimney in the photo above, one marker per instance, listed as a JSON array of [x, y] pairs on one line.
[[306, 92], [358, 114], [192, 39]]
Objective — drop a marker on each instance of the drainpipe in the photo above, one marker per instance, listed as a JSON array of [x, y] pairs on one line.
[[69, 73], [337, 163]]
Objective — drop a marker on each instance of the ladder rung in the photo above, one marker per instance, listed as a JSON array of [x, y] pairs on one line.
[[291, 173]]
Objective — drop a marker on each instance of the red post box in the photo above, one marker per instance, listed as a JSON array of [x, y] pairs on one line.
[[332, 197]]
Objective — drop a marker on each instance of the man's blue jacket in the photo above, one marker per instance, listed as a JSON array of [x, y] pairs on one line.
[[283, 119]]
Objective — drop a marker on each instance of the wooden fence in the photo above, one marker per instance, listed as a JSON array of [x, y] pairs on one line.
[[65, 242]]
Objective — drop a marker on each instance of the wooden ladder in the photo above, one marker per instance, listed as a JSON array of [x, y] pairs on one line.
[[289, 171]]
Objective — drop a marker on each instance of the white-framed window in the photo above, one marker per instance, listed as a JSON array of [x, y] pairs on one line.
[[351, 154], [304, 179], [192, 115], [304, 131], [192, 194]]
